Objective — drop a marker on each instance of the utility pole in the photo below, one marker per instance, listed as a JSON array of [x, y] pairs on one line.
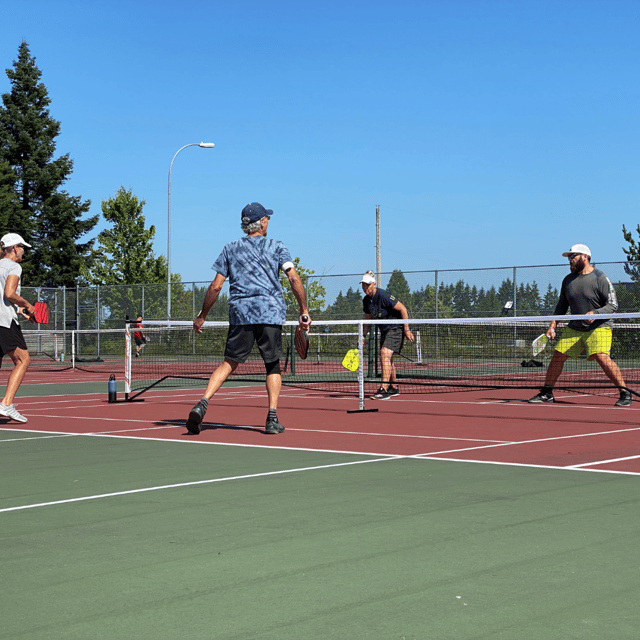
[[378, 260]]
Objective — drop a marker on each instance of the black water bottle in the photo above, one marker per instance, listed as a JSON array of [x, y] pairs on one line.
[[112, 388]]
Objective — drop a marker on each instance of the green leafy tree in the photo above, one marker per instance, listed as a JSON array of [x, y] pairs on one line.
[[124, 254], [124, 257], [633, 254], [47, 216], [632, 268], [314, 289]]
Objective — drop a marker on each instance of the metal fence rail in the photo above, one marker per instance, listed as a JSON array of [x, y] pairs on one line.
[[488, 292]]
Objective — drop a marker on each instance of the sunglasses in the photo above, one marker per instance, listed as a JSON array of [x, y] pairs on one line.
[[571, 256]]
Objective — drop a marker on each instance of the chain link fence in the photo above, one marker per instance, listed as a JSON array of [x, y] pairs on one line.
[[448, 293]]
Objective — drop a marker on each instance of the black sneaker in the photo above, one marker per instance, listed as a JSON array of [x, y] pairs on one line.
[[273, 426], [195, 418], [382, 394], [393, 391], [543, 396], [625, 399]]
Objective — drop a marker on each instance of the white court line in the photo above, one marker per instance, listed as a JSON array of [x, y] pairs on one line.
[[611, 461], [529, 466], [164, 424], [195, 483], [518, 442]]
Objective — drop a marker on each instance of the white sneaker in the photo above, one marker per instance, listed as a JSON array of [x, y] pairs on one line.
[[9, 411]]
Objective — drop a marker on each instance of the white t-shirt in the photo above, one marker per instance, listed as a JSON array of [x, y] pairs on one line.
[[8, 311]]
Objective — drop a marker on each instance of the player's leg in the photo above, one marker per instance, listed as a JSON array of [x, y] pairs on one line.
[[269, 340], [570, 345], [238, 347], [599, 349], [21, 359], [390, 344]]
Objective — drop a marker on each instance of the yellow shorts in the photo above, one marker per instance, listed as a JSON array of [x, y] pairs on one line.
[[572, 343]]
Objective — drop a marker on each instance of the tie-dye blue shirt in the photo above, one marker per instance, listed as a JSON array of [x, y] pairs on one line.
[[252, 264]]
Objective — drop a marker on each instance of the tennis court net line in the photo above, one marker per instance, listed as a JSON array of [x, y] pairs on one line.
[[451, 354]]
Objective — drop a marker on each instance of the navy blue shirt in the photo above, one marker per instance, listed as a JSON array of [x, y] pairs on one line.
[[381, 306]]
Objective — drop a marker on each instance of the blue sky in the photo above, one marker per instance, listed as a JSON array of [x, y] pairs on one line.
[[490, 132]]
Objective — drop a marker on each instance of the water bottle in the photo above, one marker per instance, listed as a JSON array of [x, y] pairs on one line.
[[112, 388]]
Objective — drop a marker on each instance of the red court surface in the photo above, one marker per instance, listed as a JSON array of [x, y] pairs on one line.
[[578, 432]]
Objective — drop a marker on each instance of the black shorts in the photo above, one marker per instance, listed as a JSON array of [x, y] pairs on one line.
[[393, 338], [241, 338], [11, 338]]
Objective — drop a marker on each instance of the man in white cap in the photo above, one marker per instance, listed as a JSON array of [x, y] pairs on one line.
[[586, 291], [12, 343], [379, 304]]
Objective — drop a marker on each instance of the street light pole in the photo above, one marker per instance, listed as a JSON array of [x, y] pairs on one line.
[[204, 145]]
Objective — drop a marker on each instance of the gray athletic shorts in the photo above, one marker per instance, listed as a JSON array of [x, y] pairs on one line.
[[393, 339]]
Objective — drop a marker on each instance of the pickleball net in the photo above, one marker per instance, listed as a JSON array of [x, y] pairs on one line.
[[453, 354]]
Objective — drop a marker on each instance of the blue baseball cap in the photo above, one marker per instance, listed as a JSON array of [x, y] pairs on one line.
[[254, 212]]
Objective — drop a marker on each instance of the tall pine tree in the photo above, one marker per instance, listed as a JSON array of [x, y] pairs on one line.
[[9, 205], [46, 216]]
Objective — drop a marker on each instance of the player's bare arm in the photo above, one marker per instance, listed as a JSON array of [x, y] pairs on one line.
[[209, 300], [25, 308], [404, 314], [298, 291]]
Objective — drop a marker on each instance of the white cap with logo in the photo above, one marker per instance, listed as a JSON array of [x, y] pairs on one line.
[[12, 239], [578, 248]]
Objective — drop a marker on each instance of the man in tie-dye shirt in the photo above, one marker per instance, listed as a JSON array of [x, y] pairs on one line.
[[256, 308]]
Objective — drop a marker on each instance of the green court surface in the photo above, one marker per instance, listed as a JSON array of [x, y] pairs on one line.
[[202, 541]]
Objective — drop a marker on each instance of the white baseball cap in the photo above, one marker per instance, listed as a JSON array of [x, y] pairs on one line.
[[578, 248], [12, 239], [367, 278]]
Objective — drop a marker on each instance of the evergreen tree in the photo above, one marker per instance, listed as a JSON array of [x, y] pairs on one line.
[[399, 287], [347, 307], [489, 304], [9, 205], [47, 217], [550, 301]]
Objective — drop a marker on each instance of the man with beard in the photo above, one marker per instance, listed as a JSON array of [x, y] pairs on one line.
[[586, 291]]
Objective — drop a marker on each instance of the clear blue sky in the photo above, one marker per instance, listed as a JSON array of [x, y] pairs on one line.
[[490, 132]]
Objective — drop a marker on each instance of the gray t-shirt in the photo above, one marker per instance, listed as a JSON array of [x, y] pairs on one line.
[[589, 292], [253, 265], [8, 311]]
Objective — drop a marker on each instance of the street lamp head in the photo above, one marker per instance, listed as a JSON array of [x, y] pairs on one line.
[[207, 145]]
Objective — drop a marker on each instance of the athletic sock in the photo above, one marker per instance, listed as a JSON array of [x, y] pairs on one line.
[[204, 401], [272, 415]]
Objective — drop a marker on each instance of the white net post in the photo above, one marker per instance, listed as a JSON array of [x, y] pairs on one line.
[[127, 360], [361, 365]]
